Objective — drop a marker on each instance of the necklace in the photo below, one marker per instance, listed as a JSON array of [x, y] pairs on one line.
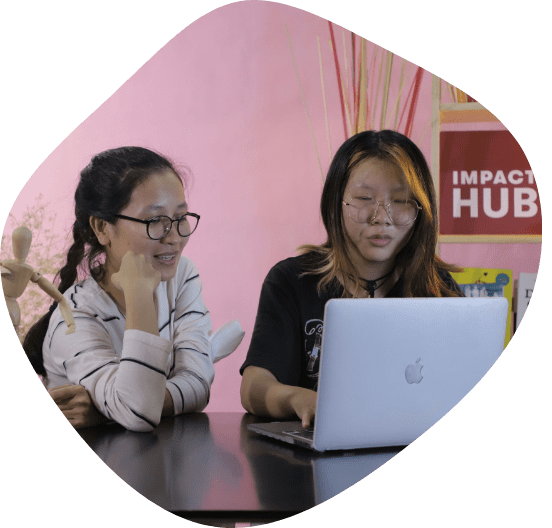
[[372, 285]]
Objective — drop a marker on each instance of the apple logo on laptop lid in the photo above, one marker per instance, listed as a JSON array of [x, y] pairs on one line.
[[413, 372]]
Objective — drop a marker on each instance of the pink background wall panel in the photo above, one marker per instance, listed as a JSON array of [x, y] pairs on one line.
[[223, 99], [517, 257]]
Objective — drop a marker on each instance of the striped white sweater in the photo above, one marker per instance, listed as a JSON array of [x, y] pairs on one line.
[[126, 372]]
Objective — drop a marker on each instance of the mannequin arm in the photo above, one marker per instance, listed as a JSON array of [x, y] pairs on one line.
[[47, 287]]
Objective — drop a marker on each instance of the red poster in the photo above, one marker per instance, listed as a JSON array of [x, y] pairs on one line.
[[486, 186]]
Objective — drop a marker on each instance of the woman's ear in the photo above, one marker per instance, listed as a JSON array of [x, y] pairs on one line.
[[101, 230]]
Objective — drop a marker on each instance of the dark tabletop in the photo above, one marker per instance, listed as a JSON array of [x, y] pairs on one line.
[[208, 467]]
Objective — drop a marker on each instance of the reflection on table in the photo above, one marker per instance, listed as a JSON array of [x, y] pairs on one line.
[[209, 468]]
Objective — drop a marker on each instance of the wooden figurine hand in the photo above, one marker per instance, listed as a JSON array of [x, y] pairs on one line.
[[47, 287], [65, 310]]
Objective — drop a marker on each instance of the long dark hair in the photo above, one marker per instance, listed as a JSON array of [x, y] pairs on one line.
[[417, 260], [105, 188]]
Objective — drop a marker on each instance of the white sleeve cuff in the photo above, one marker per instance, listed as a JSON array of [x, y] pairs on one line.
[[177, 397], [154, 350]]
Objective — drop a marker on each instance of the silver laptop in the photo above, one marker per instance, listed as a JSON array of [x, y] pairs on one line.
[[391, 368]]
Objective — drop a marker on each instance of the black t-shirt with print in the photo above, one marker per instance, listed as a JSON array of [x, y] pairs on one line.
[[288, 329]]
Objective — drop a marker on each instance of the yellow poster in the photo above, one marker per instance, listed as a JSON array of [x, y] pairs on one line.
[[482, 282]]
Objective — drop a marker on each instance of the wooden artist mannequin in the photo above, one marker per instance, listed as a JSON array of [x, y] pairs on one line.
[[16, 275]]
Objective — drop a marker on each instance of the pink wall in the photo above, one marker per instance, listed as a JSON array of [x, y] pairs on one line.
[[223, 98]]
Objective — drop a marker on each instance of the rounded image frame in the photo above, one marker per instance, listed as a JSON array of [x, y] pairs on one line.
[[47, 101]]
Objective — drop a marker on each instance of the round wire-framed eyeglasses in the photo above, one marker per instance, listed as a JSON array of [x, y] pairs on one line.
[[159, 227], [399, 212]]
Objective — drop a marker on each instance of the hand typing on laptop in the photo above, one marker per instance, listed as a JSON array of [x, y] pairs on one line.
[[262, 394], [378, 206]]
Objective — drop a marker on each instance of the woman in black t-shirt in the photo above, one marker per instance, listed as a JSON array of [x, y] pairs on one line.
[[380, 213]]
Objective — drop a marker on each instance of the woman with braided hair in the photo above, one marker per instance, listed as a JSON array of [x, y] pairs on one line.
[[141, 346]]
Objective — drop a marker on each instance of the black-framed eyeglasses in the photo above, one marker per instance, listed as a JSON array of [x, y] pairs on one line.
[[159, 227]]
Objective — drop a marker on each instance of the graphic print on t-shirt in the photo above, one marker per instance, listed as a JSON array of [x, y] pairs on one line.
[[313, 347]]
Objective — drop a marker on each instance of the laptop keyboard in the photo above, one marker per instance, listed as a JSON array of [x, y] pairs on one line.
[[307, 433]]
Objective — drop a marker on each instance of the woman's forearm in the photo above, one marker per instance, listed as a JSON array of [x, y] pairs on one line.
[[138, 280], [262, 394], [140, 310]]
